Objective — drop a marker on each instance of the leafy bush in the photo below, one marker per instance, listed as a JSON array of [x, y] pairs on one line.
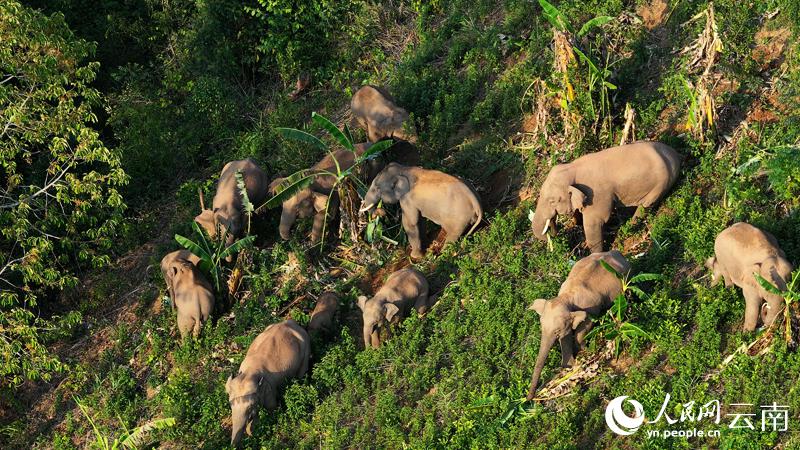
[[59, 204]]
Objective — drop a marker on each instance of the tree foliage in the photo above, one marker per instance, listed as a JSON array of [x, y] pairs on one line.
[[59, 204]]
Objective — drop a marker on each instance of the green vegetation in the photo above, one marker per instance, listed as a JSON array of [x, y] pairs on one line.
[[498, 94]]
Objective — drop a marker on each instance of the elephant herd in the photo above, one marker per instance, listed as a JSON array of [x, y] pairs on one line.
[[638, 174]]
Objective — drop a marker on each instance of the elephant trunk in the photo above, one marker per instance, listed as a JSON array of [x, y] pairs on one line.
[[541, 222], [287, 220], [370, 200], [368, 336], [239, 419], [544, 350]]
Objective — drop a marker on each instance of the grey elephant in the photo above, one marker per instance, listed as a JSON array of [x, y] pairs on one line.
[[312, 201], [637, 174], [374, 110], [322, 316], [588, 291], [442, 198], [226, 208], [167, 260], [402, 290], [193, 296], [742, 250], [278, 354]]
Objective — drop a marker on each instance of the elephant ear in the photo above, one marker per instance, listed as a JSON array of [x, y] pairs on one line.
[[577, 318], [206, 220], [577, 198], [391, 311], [361, 302], [538, 305], [401, 186], [320, 202]]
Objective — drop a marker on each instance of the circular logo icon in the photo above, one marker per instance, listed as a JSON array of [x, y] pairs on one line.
[[618, 421]]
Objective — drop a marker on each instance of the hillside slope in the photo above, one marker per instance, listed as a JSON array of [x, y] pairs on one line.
[[498, 99]]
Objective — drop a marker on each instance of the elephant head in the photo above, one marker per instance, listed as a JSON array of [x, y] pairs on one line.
[[557, 196], [304, 204], [717, 272], [226, 222], [557, 323], [243, 394], [377, 312], [389, 186]]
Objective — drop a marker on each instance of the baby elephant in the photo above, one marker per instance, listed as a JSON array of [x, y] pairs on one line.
[[322, 316], [193, 296], [442, 198], [742, 250], [392, 302], [278, 354], [588, 291], [311, 201], [374, 110], [226, 209], [637, 174], [167, 260]]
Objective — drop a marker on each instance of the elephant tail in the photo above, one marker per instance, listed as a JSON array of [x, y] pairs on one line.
[[476, 205]]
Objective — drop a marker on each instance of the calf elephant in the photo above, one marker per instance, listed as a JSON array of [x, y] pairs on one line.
[[312, 201], [278, 354], [193, 296], [442, 198], [375, 111], [637, 174], [392, 302], [588, 291], [322, 316], [742, 250], [226, 212], [167, 261]]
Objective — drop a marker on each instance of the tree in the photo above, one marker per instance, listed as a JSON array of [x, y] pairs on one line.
[[59, 204]]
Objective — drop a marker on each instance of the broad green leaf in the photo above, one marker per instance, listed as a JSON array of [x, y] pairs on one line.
[[333, 130], [205, 258], [630, 329], [290, 186], [639, 293], [769, 287], [374, 150], [555, 17], [245, 242], [646, 277], [592, 67], [246, 205], [608, 267], [596, 22], [138, 436], [300, 135], [349, 135], [620, 306]]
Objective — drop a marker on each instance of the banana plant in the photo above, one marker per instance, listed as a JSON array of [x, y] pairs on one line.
[[345, 179], [790, 296], [615, 325], [212, 254], [129, 439]]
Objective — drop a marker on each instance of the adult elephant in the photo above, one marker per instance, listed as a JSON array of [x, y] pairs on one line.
[[442, 198], [637, 174]]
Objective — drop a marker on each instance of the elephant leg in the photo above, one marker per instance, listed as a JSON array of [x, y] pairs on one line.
[[316, 228], [185, 325], [411, 225], [421, 305], [171, 293], [567, 350], [454, 230], [581, 332], [593, 228], [752, 309], [303, 368]]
